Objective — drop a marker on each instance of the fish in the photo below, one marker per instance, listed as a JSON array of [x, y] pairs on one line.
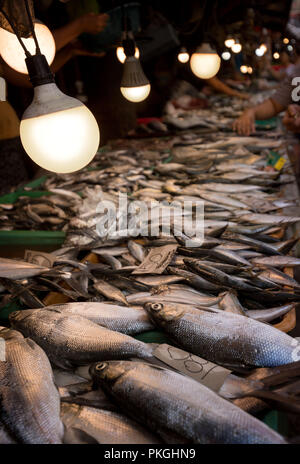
[[174, 295], [136, 250], [230, 303], [70, 340], [276, 261], [225, 338], [268, 219], [109, 291], [267, 315], [279, 278], [178, 408], [30, 404], [127, 320], [104, 427], [17, 269]]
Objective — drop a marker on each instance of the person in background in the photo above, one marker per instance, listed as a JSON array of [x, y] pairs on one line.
[[280, 100], [15, 167]]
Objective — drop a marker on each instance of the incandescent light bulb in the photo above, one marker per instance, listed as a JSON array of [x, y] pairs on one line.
[[13, 54], [205, 63]]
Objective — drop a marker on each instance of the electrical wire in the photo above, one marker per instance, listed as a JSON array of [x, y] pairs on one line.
[[37, 47], [27, 53]]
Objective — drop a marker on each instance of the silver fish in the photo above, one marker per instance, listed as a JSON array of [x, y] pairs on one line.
[[73, 340], [106, 427], [127, 320], [225, 338], [178, 407], [30, 405], [13, 269]]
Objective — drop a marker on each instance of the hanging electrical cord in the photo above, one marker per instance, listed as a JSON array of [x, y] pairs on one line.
[[37, 50], [12, 25]]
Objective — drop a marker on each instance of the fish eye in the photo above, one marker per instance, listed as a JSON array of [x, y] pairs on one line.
[[100, 367], [157, 306]]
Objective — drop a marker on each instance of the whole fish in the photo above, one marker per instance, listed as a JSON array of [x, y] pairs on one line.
[[225, 338], [218, 276], [268, 219], [276, 261], [267, 315], [109, 291], [136, 250], [70, 340], [127, 320], [178, 408], [280, 278], [106, 427], [13, 269], [30, 405], [173, 296]]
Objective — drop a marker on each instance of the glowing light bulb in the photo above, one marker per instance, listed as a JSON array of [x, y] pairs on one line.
[[229, 42], [286, 40], [13, 54], [183, 56], [205, 63], [236, 48], [135, 86], [259, 52], [226, 56], [122, 57], [290, 48], [136, 94], [59, 132], [276, 56], [249, 70], [244, 69], [263, 47]]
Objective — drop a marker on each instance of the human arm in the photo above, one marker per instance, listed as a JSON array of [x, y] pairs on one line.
[[219, 86], [245, 124], [90, 23]]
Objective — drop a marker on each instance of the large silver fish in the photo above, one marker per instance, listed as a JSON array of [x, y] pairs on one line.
[[70, 339], [178, 408], [106, 427], [29, 400], [127, 320], [225, 338]]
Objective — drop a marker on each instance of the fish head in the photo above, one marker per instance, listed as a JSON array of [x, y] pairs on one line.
[[164, 312], [108, 372], [19, 316], [9, 334]]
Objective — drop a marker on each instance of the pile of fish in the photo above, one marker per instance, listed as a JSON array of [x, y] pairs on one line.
[[78, 371]]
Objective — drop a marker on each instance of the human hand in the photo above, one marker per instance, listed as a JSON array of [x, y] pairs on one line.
[[245, 124], [93, 23], [291, 118]]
